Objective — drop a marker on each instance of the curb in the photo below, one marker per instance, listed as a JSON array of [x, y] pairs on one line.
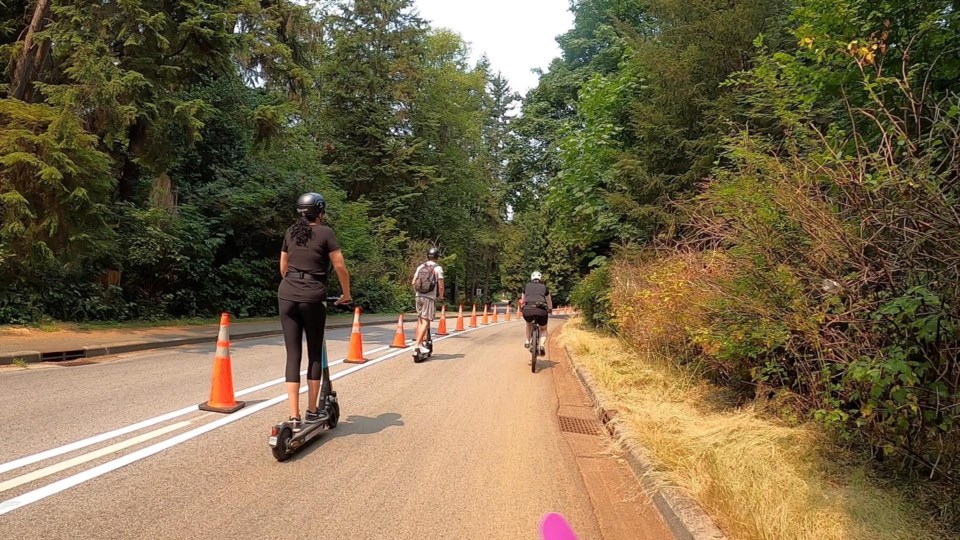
[[682, 515], [33, 357]]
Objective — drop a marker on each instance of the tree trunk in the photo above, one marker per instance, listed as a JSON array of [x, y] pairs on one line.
[[163, 194], [486, 281], [131, 171], [32, 56], [471, 284]]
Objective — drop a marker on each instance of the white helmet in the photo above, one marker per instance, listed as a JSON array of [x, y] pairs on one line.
[[536, 276]]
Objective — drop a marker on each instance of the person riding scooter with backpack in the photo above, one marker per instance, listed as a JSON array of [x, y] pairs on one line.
[[428, 286]]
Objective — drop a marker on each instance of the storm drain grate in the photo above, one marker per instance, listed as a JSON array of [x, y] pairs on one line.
[[62, 356], [579, 425]]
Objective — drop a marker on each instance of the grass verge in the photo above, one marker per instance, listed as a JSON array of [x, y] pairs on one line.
[[757, 478], [58, 326]]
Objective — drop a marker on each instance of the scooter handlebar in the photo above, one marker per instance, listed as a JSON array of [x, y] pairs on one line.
[[333, 302]]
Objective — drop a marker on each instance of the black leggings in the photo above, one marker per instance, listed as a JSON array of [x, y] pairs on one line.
[[295, 319]]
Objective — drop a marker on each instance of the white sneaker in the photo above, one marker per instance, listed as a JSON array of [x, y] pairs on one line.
[[424, 349], [526, 344]]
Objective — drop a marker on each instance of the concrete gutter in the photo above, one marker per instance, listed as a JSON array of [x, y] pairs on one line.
[[109, 349], [685, 519]]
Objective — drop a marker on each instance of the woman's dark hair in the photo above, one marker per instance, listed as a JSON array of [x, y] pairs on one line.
[[301, 232]]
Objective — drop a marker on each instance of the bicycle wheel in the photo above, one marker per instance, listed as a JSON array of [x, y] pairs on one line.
[[534, 348]]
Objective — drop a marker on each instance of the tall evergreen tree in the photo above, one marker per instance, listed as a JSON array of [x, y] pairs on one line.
[[369, 77], [499, 107]]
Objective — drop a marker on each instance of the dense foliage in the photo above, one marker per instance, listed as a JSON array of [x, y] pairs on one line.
[[768, 191], [150, 152]]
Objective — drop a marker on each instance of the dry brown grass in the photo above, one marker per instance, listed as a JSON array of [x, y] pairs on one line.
[[758, 479]]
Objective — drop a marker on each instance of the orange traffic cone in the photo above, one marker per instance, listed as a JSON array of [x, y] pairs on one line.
[[442, 327], [507, 313], [399, 340], [355, 355], [473, 317], [485, 319], [460, 327], [221, 387], [495, 310], [519, 313]]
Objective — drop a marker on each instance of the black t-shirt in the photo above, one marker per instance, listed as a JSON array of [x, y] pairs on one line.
[[312, 258], [535, 293]]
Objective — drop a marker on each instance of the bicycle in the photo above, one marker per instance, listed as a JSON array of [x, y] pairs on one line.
[[534, 347]]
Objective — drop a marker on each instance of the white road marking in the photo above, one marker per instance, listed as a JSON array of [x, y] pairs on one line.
[[64, 465], [61, 485], [96, 439]]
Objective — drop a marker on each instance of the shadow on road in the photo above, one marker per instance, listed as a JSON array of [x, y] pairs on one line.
[[352, 425], [252, 402], [543, 364], [446, 357]]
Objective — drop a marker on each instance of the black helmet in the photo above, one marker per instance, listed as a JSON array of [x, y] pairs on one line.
[[311, 205], [433, 253]]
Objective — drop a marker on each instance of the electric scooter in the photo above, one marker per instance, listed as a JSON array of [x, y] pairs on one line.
[[428, 341], [284, 440]]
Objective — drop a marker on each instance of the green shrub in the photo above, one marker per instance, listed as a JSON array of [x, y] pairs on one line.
[[592, 297]]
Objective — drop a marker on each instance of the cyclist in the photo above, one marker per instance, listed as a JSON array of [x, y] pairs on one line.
[[309, 247], [536, 304], [428, 285]]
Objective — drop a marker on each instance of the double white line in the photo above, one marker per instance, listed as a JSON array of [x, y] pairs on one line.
[[79, 478]]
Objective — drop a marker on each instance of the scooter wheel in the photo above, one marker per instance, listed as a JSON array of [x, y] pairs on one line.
[[334, 415], [280, 451]]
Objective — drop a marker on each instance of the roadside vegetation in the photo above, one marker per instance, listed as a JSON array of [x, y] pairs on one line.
[[757, 476], [765, 193], [151, 153]]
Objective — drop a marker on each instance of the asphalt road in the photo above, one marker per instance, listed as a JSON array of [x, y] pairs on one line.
[[466, 444]]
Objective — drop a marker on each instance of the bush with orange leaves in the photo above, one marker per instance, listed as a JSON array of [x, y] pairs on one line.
[[660, 299]]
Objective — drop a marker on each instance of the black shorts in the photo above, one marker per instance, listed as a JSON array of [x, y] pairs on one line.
[[535, 315]]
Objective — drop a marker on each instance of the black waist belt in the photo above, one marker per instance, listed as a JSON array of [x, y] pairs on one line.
[[304, 275]]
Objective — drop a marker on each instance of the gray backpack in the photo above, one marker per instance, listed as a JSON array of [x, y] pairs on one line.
[[426, 280]]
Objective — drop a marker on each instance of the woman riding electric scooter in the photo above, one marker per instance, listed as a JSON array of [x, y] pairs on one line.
[[309, 247]]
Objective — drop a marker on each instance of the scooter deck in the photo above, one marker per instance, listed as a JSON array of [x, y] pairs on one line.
[[302, 437], [420, 357], [299, 438]]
